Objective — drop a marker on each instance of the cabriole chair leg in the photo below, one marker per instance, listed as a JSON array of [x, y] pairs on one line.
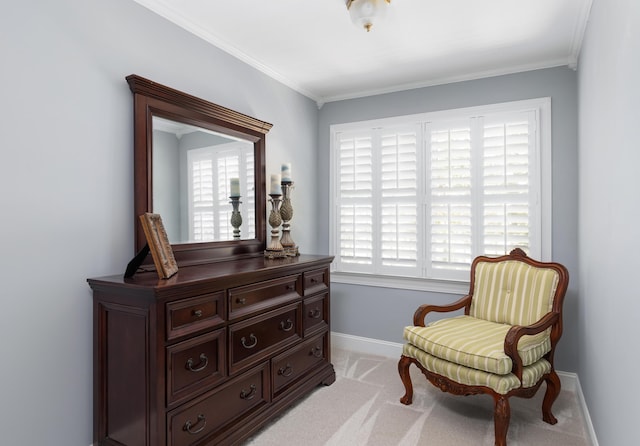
[[553, 390], [403, 370], [501, 417]]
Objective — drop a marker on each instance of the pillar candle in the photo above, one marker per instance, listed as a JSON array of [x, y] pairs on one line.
[[286, 172], [235, 187], [275, 185]]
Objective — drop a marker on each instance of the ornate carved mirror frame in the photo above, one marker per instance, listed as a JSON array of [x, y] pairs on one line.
[[153, 99]]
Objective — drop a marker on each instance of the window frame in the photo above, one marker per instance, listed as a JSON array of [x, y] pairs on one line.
[[543, 154]]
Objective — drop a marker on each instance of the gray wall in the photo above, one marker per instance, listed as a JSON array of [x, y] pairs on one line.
[[167, 197], [67, 189], [609, 313], [381, 313]]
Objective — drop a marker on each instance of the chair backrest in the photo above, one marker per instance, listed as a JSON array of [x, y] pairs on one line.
[[515, 289]]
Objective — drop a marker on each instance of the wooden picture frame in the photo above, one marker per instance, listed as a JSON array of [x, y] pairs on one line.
[[159, 245]]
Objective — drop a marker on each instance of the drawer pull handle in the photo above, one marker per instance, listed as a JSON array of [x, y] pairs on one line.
[[197, 313], [314, 280], [291, 287], [285, 371], [317, 352], [201, 419], [250, 394], [253, 339], [241, 300], [286, 325], [315, 313], [203, 360]]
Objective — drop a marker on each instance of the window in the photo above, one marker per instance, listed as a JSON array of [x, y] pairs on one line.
[[210, 173], [418, 197]]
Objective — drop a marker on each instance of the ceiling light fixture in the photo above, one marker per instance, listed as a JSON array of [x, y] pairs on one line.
[[364, 12]]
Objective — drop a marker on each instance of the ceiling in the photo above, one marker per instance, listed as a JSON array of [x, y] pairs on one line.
[[312, 46]]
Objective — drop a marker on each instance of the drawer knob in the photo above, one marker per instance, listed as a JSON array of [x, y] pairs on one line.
[[250, 394], [315, 313], [241, 300], [254, 341], [286, 325], [290, 287], [188, 425], [285, 371], [203, 360], [317, 352], [197, 313]]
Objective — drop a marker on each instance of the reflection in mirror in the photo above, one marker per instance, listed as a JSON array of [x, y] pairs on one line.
[[192, 172]]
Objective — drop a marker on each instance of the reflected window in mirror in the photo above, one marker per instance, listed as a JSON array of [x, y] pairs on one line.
[[193, 168]]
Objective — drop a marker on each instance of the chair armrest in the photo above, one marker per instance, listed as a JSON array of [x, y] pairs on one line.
[[517, 331], [421, 312]]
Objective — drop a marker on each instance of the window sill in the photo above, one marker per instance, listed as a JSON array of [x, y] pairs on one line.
[[404, 283]]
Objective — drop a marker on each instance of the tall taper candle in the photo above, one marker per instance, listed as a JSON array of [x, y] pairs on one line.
[[235, 187], [276, 189], [286, 172]]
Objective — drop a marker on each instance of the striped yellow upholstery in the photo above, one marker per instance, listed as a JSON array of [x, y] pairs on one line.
[[501, 384], [475, 343], [512, 292]]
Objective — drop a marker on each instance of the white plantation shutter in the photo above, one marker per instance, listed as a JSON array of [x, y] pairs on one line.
[[210, 216], [355, 215], [377, 204], [247, 178], [481, 200], [202, 199], [450, 197], [508, 157], [423, 200], [398, 220]]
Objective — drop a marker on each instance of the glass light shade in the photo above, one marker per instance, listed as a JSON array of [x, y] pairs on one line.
[[365, 12]]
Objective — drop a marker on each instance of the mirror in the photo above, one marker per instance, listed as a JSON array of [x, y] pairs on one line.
[[188, 152], [193, 168]]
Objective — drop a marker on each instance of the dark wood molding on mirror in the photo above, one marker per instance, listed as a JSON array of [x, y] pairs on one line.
[[153, 99]]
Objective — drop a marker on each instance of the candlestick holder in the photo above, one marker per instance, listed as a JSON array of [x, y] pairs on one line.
[[274, 248], [286, 212], [236, 217]]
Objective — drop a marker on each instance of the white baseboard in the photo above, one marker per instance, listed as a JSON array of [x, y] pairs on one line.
[[591, 432], [569, 381], [366, 345]]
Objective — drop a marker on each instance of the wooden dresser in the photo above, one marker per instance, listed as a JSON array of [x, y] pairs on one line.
[[210, 355]]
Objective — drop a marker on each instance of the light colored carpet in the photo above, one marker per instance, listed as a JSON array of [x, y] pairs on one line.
[[362, 408]]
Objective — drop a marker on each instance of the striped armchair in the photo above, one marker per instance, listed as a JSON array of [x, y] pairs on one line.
[[502, 345]]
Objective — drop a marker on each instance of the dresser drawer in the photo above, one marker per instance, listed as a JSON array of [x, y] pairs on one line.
[[263, 295], [291, 365], [192, 423], [315, 314], [195, 365], [252, 340], [194, 314], [316, 280]]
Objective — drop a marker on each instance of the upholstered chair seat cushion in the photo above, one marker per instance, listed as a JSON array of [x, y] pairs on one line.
[[475, 343], [501, 384]]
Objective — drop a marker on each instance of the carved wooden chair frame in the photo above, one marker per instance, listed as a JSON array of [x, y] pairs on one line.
[[502, 410]]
